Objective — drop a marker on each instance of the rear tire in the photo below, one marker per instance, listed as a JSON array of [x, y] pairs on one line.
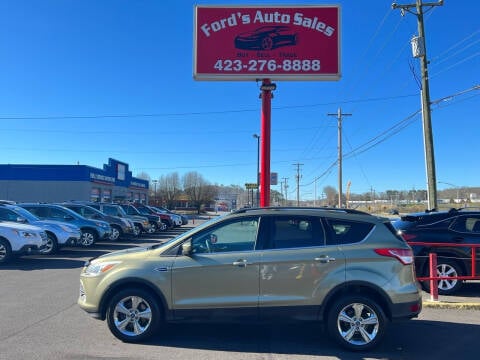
[[133, 315], [357, 323], [5, 251]]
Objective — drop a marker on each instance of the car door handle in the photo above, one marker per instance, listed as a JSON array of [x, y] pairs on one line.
[[324, 259], [240, 262]]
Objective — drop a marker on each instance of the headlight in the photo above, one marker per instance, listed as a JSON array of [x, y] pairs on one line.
[[67, 228], [24, 234], [95, 269], [102, 225]]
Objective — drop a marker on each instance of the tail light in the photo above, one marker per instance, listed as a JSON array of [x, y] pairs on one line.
[[405, 256]]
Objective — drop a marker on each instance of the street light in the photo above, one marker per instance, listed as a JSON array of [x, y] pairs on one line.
[[155, 191], [258, 165]]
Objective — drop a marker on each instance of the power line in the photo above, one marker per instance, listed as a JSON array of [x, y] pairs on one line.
[[198, 113]]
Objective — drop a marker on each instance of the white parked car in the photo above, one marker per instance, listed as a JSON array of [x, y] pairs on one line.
[[59, 234], [18, 238]]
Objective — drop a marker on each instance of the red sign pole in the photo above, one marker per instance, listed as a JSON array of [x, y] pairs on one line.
[[267, 88]]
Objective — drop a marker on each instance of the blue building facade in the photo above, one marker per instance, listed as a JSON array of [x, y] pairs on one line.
[[53, 183]]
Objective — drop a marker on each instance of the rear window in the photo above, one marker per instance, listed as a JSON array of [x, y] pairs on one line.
[[347, 231]]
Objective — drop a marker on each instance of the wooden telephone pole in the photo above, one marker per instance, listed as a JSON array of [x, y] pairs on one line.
[[420, 51]]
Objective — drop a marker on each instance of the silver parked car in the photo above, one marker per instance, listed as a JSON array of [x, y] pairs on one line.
[[59, 234], [17, 239]]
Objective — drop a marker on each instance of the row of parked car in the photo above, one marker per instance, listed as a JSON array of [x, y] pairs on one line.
[[45, 227]]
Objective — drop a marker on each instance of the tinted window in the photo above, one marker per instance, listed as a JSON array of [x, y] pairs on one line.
[[467, 224], [289, 232], [236, 235], [7, 215], [58, 213], [41, 212], [348, 232]]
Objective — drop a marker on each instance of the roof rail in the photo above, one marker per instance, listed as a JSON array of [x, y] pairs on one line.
[[281, 208], [469, 208]]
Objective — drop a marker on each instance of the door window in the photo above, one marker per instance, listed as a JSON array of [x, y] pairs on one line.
[[467, 224], [236, 235], [8, 215]]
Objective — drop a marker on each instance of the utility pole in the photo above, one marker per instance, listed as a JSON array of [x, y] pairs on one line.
[[339, 116], [285, 182], [298, 176], [420, 51]]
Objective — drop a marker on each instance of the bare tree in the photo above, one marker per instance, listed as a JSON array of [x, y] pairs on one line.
[[331, 194], [169, 187], [198, 189]]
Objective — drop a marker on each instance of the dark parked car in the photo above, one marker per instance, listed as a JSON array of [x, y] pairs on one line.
[[121, 228], [156, 223], [167, 222], [266, 38], [184, 218], [140, 223], [92, 230], [456, 226]]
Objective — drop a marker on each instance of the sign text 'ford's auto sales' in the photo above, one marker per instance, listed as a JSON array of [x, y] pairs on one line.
[[257, 42]]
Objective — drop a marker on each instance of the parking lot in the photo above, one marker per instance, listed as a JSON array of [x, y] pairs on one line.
[[41, 320]]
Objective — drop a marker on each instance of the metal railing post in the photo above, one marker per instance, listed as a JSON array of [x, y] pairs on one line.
[[433, 276]]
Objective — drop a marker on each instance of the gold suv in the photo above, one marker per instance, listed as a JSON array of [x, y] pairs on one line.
[[345, 268]]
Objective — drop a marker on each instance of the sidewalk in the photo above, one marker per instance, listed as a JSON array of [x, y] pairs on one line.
[[467, 298]]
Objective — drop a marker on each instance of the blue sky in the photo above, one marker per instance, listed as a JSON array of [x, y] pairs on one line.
[[82, 81]]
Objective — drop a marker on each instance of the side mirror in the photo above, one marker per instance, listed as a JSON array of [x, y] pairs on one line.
[[187, 248], [21, 220]]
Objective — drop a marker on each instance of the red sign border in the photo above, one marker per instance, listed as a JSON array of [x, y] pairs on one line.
[[258, 76]]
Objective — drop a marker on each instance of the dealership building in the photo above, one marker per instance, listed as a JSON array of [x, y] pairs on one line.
[[56, 183]]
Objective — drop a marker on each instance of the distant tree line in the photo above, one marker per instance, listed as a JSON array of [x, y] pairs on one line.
[[193, 190]]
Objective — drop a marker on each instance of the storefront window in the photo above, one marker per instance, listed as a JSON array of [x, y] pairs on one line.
[[95, 194]]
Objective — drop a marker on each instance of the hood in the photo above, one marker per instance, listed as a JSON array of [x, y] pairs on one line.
[[56, 223], [113, 254], [19, 226]]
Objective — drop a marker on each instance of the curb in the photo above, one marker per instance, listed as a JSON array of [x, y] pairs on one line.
[[450, 305]]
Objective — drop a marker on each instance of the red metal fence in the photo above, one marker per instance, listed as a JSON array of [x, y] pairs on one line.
[[433, 278]]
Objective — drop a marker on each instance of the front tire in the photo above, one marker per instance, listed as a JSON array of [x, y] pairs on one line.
[[51, 247], [88, 238], [5, 251], [153, 228], [357, 323], [137, 230], [115, 234], [133, 315]]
